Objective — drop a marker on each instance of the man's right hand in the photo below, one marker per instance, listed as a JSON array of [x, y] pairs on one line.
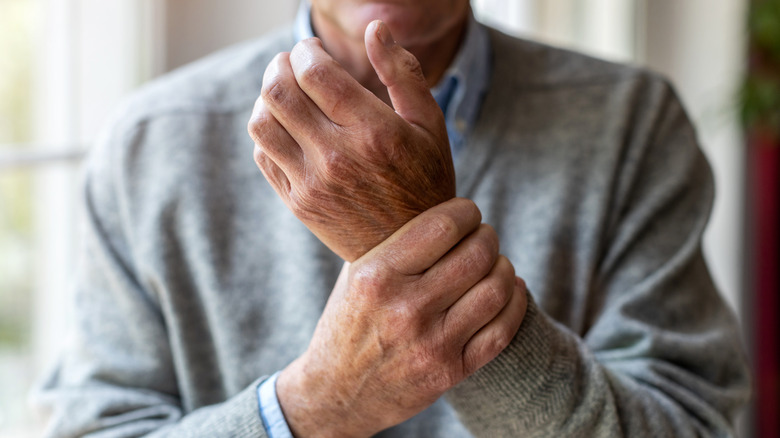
[[350, 167], [406, 322]]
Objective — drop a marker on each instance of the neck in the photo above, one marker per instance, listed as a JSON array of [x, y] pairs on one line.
[[435, 56]]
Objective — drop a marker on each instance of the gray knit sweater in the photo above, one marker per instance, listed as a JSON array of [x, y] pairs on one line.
[[196, 282]]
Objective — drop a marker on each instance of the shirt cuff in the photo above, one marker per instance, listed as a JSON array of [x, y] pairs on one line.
[[271, 410]]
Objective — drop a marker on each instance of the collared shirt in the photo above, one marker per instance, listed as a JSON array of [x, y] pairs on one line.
[[459, 94]]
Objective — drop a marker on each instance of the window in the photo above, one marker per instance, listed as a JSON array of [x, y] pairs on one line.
[[65, 65], [604, 28], [17, 25]]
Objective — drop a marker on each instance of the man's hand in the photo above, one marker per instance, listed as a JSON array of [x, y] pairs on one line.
[[350, 167], [406, 322]]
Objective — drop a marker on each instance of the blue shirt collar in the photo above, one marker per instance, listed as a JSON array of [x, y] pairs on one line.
[[302, 28], [462, 89]]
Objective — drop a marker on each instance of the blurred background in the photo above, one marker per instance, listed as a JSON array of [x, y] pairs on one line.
[[66, 64]]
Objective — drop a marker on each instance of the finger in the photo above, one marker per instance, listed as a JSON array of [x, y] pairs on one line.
[[299, 116], [269, 135], [459, 270], [273, 174], [481, 303], [338, 95], [492, 339], [421, 242], [401, 73]]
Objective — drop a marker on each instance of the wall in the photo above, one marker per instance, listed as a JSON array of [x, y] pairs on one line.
[[197, 27]]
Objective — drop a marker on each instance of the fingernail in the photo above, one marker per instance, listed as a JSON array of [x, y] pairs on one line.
[[384, 34]]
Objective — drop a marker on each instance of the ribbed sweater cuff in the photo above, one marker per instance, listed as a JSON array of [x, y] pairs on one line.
[[529, 384], [237, 417]]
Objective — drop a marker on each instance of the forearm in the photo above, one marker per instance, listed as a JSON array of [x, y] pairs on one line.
[[548, 382], [125, 412]]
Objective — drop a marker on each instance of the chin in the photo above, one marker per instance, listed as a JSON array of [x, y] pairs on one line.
[[409, 27]]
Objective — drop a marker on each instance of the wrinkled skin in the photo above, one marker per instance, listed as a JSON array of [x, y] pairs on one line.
[[406, 322], [345, 163]]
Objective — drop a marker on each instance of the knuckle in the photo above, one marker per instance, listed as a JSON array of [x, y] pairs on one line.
[[369, 278], [495, 295], [470, 362], [405, 314], [483, 253], [467, 210], [412, 65], [505, 270], [300, 50], [482, 257], [274, 92], [259, 156], [255, 129], [490, 236], [316, 73], [259, 127], [502, 339], [276, 81], [471, 208], [443, 227]]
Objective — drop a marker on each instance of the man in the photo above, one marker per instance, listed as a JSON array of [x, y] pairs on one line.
[[205, 308]]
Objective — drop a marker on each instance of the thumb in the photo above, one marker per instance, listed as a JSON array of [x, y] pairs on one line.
[[401, 73]]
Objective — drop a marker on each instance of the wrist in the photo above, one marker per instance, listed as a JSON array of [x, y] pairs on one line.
[[311, 408]]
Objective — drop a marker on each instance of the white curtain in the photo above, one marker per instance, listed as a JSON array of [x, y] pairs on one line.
[[605, 28]]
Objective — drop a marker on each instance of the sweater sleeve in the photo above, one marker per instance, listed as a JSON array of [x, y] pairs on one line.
[[116, 377], [663, 355]]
